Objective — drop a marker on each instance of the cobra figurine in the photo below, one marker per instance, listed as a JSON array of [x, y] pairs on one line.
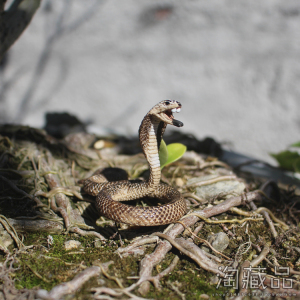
[[110, 193]]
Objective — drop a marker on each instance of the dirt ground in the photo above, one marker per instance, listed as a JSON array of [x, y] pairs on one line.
[[240, 237]]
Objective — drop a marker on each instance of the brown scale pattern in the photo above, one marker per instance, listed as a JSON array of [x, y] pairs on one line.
[[110, 193]]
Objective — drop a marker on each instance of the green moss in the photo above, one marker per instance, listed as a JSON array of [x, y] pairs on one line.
[[190, 280], [46, 267], [187, 276]]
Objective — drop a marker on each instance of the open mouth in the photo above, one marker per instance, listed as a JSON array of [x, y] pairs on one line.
[[169, 114]]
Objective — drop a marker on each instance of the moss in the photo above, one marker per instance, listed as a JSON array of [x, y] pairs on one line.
[[45, 266], [189, 280], [61, 265]]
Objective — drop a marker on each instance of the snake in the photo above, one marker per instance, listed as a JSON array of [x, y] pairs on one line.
[[111, 194]]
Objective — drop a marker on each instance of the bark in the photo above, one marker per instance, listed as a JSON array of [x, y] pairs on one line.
[[14, 21]]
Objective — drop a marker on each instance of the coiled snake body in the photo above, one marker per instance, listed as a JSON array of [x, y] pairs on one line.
[[110, 193]]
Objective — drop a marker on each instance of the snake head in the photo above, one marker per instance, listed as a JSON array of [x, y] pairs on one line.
[[164, 112]]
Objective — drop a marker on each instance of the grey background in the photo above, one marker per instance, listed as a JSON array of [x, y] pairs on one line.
[[234, 66]]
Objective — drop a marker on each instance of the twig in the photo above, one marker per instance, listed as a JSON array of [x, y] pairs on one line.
[[139, 242], [113, 292], [149, 261], [213, 180], [176, 290], [117, 280], [224, 206], [168, 270], [70, 287], [213, 163], [155, 279], [267, 217], [11, 230], [54, 182], [68, 191], [263, 254], [197, 229], [241, 212], [188, 253], [8, 290], [222, 221], [86, 233], [194, 196], [27, 225], [261, 209], [203, 241]]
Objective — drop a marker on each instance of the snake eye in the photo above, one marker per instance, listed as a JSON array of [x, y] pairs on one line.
[[167, 102]]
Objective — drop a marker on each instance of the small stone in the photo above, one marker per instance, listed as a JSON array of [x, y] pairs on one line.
[[100, 281], [43, 294], [50, 240], [228, 187], [179, 182], [214, 280], [72, 244], [98, 244], [204, 296], [219, 241], [100, 144]]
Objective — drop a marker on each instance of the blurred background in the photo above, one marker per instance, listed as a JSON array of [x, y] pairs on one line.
[[234, 66]]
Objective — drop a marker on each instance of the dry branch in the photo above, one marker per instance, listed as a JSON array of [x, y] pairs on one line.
[[70, 287], [149, 261]]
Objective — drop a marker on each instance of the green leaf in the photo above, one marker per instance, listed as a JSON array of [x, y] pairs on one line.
[[295, 144], [297, 165], [174, 152], [287, 159], [163, 153]]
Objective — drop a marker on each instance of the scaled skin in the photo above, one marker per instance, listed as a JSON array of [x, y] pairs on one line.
[[110, 193]]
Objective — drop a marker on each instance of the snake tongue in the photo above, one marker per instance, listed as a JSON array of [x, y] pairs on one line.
[[169, 113], [177, 123]]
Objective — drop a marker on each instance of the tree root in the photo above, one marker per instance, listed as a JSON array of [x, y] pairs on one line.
[[149, 261], [70, 287], [62, 217], [202, 240], [60, 203], [268, 219], [27, 225], [206, 220], [263, 254], [137, 243], [213, 180], [194, 252], [11, 230], [7, 286]]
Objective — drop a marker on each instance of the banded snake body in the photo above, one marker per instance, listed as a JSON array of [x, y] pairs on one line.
[[110, 193]]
